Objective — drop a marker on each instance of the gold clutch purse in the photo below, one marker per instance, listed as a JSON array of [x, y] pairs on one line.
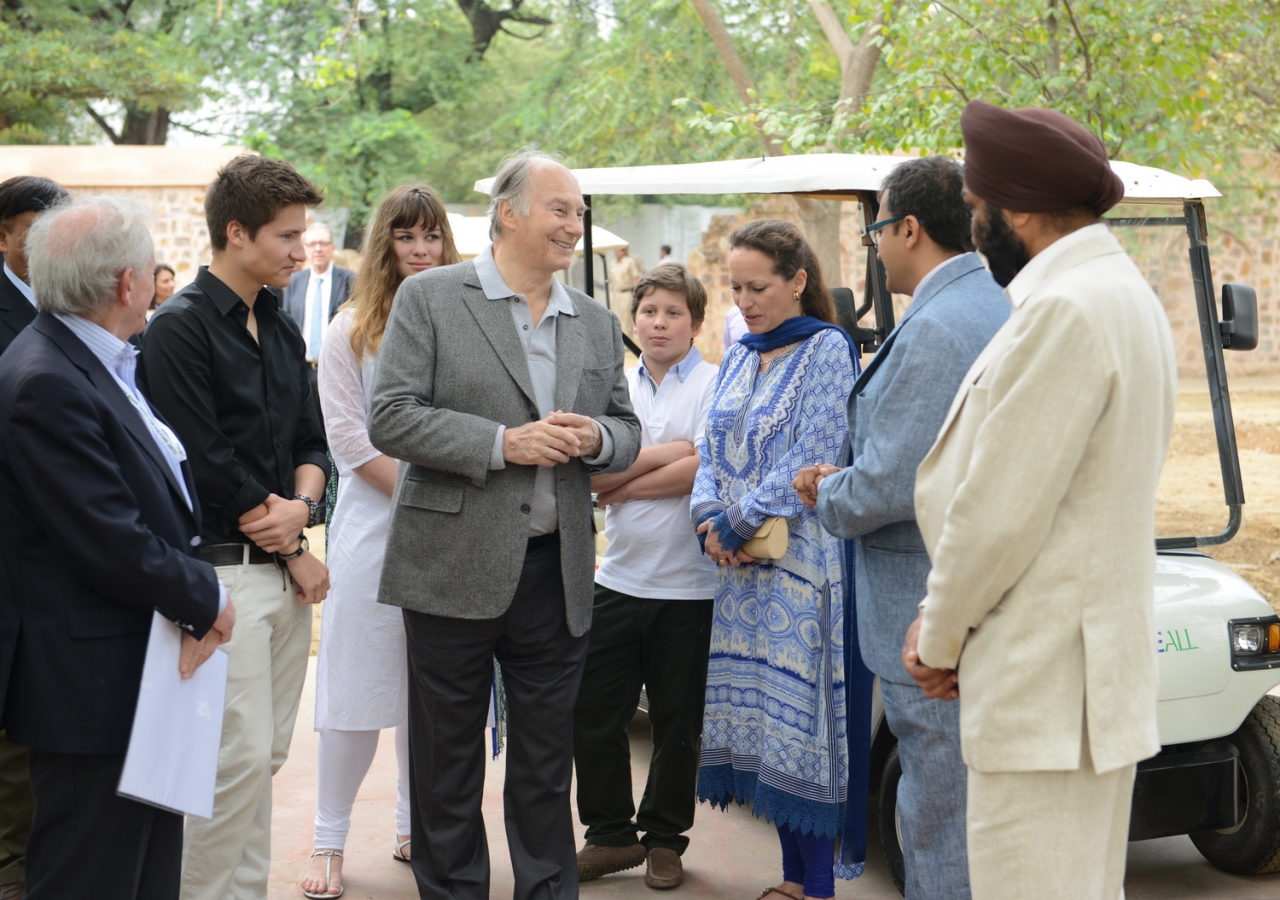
[[770, 541]]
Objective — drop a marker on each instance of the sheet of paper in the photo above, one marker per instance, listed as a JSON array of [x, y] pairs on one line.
[[172, 761]]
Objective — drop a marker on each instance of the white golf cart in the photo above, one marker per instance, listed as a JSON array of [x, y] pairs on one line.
[[1217, 777]]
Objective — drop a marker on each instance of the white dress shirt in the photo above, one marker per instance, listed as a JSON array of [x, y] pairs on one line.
[[21, 285], [120, 359], [653, 550]]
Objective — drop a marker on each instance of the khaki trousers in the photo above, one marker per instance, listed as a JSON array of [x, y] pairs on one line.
[[1049, 835], [229, 856], [15, 812]]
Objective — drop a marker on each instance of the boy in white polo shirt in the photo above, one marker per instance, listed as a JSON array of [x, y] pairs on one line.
[[651, 624]]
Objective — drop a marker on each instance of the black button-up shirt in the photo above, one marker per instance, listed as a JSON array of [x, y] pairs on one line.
[[242, 408]]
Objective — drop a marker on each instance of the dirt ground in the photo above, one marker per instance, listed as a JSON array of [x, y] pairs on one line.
[[1191, 499]]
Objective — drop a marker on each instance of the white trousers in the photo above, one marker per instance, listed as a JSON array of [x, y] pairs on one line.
[[1049, 835], [228, 857], [343, 760]]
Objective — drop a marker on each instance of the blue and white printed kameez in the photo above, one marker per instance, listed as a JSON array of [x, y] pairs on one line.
[[774, 729]]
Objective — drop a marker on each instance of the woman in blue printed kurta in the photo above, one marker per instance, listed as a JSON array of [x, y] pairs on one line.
[[774, 732]]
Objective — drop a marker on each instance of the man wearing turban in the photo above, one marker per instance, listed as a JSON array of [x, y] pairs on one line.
[[1037, 506]]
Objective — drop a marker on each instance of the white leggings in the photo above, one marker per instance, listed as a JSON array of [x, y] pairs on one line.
[[344, 758]]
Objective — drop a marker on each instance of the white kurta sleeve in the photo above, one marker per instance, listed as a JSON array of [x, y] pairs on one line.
[[343, 398]]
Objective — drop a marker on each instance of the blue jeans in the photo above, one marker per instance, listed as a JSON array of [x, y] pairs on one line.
[[931, 794]]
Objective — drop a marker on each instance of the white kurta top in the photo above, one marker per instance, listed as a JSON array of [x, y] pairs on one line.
[[361, 673]]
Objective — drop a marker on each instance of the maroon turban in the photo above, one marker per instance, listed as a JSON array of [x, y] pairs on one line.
[[1035, 160]]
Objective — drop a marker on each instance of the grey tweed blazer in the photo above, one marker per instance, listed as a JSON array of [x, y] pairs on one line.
[[451, 368]]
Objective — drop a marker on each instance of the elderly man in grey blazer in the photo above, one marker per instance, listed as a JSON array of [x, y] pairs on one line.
[[503, 390], [895, 411]]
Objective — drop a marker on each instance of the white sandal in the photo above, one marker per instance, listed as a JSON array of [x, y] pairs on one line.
[[328, 873], [398, 855]]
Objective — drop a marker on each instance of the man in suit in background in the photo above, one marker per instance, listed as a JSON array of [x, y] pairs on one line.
[[315, 293], [1037, 505], [97, 521], [313, 296], [22, 199], [503, 390], [895, 410]]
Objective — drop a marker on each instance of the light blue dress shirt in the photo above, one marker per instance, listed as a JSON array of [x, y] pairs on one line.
[[120, 359]]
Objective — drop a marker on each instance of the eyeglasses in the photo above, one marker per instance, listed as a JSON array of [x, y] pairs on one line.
[[873, 230]]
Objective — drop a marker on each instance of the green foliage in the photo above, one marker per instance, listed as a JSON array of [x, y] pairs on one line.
[[1160, 82], [364, 94], [56, 56]]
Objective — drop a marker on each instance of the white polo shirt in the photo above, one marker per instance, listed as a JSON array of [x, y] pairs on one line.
[[653, 550]]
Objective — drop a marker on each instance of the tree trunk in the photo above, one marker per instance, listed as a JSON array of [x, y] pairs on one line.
[[144, 127], [857, 61], [820, 220], [737, 69]]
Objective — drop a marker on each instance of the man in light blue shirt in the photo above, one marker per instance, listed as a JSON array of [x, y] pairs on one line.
[[98, 526]]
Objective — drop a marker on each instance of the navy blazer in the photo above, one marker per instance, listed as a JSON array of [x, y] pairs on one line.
[[94, 536], [295, 295], [16, 311], [896, 409]]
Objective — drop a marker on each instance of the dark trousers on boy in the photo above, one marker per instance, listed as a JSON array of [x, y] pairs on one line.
[[662, 646]]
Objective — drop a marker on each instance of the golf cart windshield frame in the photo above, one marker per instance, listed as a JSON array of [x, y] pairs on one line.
[[1211, 343], [858, 176]]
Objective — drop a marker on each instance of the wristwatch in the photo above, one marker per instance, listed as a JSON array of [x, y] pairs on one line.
[[303, 546], [313, 518]]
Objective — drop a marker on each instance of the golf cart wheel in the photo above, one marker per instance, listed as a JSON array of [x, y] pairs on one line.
[[890, 823], [1253, 846]]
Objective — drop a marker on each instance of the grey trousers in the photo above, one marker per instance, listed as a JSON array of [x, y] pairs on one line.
[[932, 793]]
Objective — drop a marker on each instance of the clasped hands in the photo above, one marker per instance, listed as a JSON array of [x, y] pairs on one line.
[[274, 525], [807, 480], [937, 684], [195, 653], [718, 552], [553, 440]]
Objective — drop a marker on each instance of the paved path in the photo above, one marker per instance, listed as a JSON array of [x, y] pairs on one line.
[[732, 855]]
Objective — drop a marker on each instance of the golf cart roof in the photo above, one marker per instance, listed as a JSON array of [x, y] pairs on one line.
[[471, 236], [831, 175]]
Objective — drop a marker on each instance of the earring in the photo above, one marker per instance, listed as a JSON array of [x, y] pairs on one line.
[[796, 295]]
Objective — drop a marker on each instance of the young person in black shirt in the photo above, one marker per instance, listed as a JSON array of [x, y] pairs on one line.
[[227, 368]]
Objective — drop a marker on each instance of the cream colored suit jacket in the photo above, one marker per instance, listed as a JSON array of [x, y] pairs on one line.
[[1037, 506]]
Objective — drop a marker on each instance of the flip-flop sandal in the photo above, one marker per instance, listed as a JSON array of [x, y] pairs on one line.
[[328, 871], [777, 890], [397, 855]]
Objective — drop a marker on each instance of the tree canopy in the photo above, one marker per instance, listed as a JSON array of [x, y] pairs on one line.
[[364, 94]]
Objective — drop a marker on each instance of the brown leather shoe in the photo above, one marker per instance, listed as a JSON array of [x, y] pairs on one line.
[[595, 860], [664, 870]]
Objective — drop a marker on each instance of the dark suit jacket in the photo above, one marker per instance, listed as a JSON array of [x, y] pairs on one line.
[[295, 295], [16, 311], [94, 536]]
